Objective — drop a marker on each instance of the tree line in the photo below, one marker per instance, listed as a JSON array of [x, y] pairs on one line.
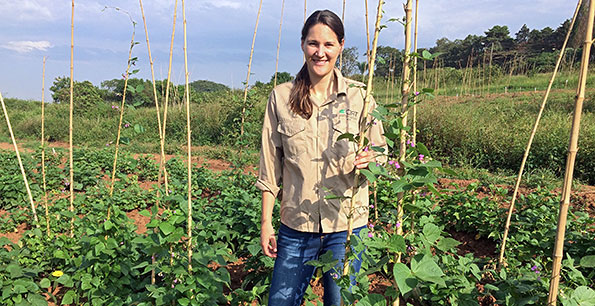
[[529, 51]]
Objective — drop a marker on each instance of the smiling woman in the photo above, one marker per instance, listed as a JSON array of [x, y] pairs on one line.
[[301, 148]]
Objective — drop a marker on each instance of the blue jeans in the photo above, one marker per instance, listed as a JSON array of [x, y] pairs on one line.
[[291, 275]]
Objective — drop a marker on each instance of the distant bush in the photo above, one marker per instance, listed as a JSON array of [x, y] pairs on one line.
[[493, 133]]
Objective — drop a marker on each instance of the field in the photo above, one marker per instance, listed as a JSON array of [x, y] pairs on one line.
[[452, 225]]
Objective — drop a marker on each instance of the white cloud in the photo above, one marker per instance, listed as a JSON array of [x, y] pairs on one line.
[[25, 46], [26, 10], [223, 4]]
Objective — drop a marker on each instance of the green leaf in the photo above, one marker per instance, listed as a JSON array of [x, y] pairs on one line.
[[60, 254], [346, 136], [140, 88], [431, 232], [584, 296], [14, 270], [125, 140], [184, 301], [427, 270], [108, 225], [68, 297], [139, 129], [588, 261], [45, 283], [166, 228], [36, 300], [425, 54], [446, 244], [373, 299], [404, 279], [422, 149], [396, 244], [368, 174]]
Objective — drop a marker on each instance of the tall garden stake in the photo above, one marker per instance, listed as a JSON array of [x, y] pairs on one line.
[[248, 80], [360, 146], [414, 124], [161, 138], [71, 111], [572, 149], [16, 150], [278, 44], [188, 135], [404, 109], [342, 21], [45, 191], [122, 105], [530, 142], [165, 106]]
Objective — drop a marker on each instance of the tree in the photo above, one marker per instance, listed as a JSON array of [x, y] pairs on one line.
[[207, 86], [522, 36], [282, 77], [499, 36], [350, 61], [85, 94], [385, 57]]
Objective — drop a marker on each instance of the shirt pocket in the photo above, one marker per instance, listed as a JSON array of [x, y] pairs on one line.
[[342, 125], [293, 137]]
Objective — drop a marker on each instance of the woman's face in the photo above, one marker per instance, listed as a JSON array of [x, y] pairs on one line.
[[321, 48]]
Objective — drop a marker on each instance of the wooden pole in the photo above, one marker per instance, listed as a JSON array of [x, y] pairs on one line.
[[405, 87], [161, 138], [278, 44], [162, 163], [45, 191], [16, 150], [122, 105], [189, 140], [71, 111], [414, 127], [248, 78], [342, 21], [360, 146], [572, 149], [530, 142]]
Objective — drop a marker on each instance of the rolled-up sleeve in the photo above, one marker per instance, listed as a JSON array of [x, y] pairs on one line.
[[271, 152]]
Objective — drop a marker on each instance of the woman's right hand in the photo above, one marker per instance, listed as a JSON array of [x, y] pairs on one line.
[[268, 242]]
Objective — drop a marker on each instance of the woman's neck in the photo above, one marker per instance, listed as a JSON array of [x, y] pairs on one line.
[[323, 87]]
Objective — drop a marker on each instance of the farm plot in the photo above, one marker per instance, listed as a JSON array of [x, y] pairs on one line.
[[445, 246]]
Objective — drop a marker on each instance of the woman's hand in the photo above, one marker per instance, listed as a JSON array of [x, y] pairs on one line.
[[363, 159], [268, 242]]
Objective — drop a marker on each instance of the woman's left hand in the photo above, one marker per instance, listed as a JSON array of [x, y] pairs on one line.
[[363, 159]]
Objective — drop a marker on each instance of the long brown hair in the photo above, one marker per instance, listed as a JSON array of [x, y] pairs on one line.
[[299, 97]]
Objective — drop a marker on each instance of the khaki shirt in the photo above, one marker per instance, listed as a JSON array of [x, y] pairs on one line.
[[306, 157]]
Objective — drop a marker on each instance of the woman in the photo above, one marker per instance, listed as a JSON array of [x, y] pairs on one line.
[[303, 120]]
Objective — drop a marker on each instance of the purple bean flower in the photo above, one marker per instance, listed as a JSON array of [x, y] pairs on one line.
[[370, 234], [398, 224]]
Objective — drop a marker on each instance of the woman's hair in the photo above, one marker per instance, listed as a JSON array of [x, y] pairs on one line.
[[299, 97]]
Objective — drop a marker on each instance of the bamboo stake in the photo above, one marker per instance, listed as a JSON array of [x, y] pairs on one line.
[[171, 51], [45, 192], [248, 77], [530, 142], [71, 109], [342, 21], [161, 138], [16, 150], [572, 149], [360, 146], [404, 110], [188, 131], [305, 9], [367, 35], [278, 45], [414, 128], [122, 105]]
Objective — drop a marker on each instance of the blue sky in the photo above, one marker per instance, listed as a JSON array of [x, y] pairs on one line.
[[219, 35]]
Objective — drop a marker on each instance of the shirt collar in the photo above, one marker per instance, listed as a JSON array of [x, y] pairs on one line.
[[341, 87]]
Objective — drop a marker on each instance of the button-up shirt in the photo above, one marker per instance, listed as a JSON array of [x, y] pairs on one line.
[[316, 171]]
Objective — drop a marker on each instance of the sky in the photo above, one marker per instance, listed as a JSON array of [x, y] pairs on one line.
[[219, 35]]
